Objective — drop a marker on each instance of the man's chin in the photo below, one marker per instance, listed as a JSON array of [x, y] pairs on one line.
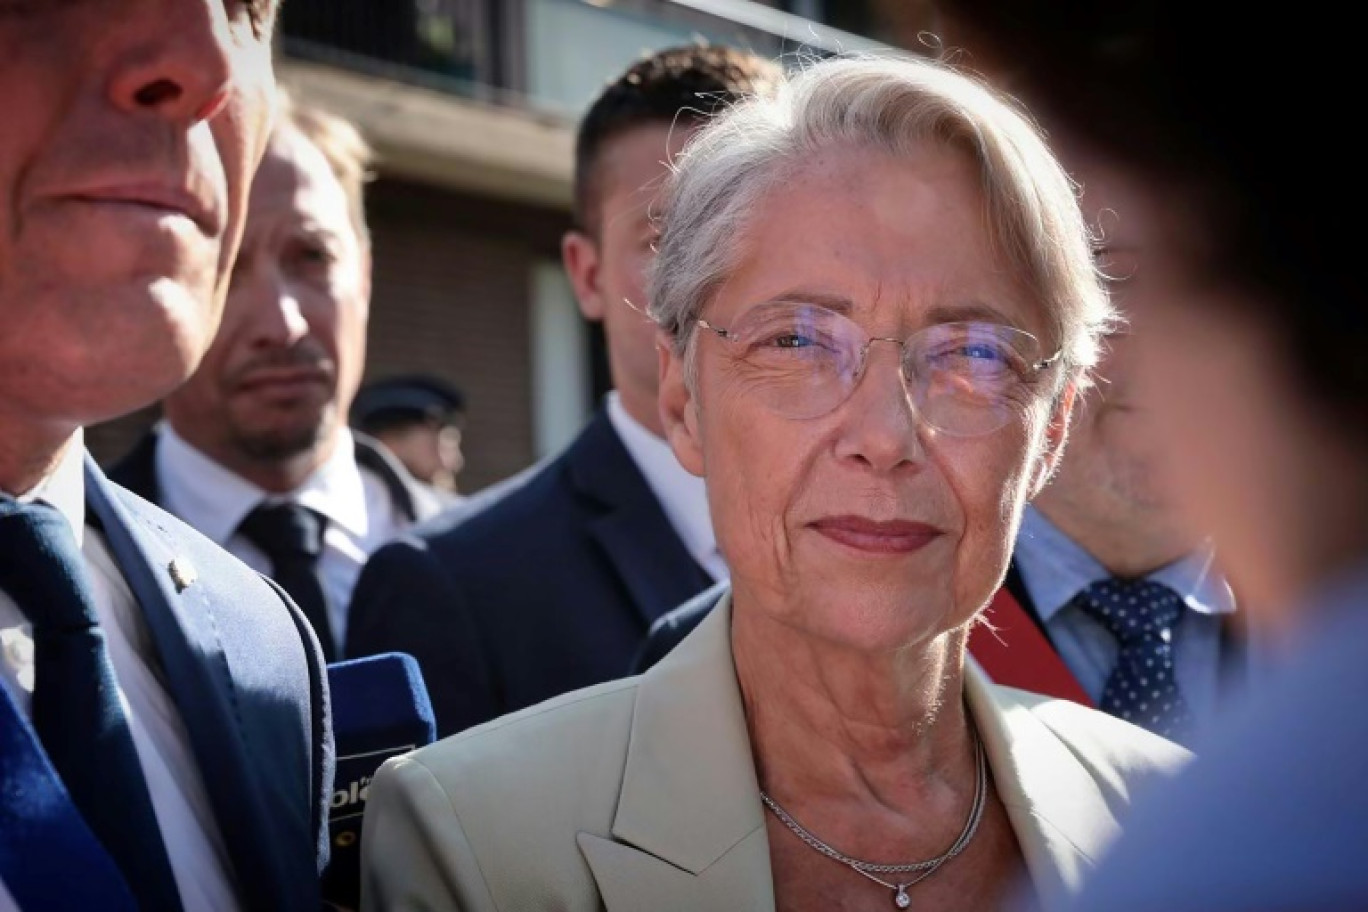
[[280, 444]]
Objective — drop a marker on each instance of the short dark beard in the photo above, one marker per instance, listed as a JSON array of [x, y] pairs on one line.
[[280, 446]]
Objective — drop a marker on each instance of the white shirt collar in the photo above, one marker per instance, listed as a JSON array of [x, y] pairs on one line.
[[1055, 568], [215, 500], [64, 487], [683, 496]]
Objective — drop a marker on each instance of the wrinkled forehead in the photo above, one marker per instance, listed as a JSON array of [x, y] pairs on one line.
[[294, 179], [880, 233]]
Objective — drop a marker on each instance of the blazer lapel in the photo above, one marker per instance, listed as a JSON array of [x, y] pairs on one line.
[[1060, 815], [630, 879], [689, 828], [182, 625], [633, 532]]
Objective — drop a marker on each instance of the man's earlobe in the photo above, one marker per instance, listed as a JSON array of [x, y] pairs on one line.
[[678, 408]]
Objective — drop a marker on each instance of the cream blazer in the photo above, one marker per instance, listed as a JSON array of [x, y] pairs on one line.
[[641, 794]]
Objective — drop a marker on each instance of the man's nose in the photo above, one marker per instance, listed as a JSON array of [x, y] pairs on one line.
[[276, 317], [175, 58]]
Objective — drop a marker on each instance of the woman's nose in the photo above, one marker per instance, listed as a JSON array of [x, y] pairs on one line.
[[879, 424]]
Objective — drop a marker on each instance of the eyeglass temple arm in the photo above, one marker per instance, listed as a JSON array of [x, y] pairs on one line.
[[1047, 362]]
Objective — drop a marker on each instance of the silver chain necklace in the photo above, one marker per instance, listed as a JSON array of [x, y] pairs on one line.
[[923, 869]]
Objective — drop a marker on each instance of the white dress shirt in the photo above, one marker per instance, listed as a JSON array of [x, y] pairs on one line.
[[361, 515], [180, 801], [682, 495]]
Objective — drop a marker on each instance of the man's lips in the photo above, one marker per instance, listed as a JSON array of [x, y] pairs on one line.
[[274, 379], [877, 536], [156, 199]]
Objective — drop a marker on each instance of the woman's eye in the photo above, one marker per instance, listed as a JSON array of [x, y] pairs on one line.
[[982, 353]]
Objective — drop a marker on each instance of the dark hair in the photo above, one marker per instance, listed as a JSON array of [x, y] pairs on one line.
[[686, 83], [1243, 121]]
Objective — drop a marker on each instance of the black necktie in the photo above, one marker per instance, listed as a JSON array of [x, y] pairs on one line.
[[77, 713], [291, 535], [1142, 688]]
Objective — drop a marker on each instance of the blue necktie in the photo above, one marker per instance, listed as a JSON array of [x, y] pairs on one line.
[[1142, 689], [76, 712]]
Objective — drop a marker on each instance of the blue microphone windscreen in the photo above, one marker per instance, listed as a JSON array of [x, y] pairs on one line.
[[380, 709]]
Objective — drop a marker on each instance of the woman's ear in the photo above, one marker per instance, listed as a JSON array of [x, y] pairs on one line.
[[678, 408], [1056, 434]]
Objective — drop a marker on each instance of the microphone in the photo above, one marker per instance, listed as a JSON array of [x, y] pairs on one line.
[[380, 709]]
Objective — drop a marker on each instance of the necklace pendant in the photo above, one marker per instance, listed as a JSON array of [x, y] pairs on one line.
[[901, 899]]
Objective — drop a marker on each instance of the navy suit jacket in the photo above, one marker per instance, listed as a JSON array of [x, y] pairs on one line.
[[246, 673], [545, 588]]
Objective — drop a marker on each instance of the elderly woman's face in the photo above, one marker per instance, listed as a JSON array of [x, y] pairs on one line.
[[865, 524]]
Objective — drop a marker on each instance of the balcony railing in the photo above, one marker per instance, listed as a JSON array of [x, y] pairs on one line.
[[546, 55]]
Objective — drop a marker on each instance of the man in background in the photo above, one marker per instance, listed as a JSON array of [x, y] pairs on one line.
[[419, 419], [553, 584], [165, 740], [254, 450], [1124, 584]]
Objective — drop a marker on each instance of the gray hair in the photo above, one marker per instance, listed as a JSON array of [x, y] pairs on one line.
[[893, 105]]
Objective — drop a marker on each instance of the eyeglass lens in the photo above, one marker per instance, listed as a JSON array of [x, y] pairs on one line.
[[963, 379]]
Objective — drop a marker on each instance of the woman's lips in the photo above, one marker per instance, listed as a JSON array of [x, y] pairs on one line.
[[875, 536]]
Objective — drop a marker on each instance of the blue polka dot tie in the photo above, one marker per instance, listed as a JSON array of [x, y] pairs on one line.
[[1142, 688]]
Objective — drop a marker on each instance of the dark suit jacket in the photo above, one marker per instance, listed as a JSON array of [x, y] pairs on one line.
[[548, 587], [245, 671], [137, 471]]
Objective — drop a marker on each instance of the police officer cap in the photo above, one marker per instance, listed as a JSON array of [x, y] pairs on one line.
[[409, 397]]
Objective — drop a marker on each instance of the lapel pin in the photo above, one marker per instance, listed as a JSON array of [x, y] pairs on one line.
[[182, 573]]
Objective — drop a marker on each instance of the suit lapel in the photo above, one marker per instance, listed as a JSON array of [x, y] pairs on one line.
[[689, 828], [199, 673], [632, 530], [1058, 811]]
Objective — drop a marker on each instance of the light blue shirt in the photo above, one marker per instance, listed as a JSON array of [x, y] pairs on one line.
[[1054, 568]]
